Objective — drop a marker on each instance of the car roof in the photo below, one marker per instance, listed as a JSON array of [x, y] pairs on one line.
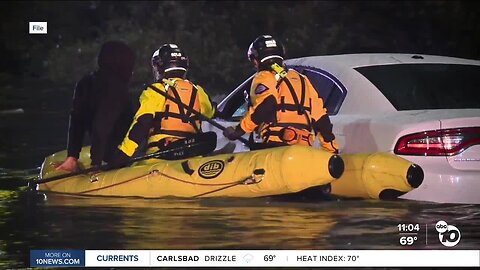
[[364, 97], [369, 59]]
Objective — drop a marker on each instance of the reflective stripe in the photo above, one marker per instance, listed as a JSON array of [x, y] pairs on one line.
[[270, 57], [175, 68]]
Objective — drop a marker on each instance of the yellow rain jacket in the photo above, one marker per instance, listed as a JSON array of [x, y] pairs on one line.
[[163, 120]]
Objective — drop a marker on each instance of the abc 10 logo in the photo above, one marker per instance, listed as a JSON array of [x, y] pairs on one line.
[[448, 235]]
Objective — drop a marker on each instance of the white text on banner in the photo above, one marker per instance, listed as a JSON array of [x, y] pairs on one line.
[[119, 258], [277, 258]]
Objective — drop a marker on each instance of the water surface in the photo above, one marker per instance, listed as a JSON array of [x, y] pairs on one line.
[[53, 221]]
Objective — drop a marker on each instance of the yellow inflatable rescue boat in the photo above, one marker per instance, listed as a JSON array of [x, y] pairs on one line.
[[258, 173], [376, 176], [266, 172]]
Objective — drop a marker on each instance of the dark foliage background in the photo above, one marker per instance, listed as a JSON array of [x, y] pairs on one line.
[[216, 34], [38, 72]]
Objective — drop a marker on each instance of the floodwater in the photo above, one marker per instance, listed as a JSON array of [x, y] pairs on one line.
[[39, 221], [31, 220]]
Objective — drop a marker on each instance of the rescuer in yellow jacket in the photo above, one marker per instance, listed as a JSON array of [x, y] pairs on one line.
[[284, 107], [162, 120]]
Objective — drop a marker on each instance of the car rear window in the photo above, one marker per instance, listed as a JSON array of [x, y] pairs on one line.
[[427, 86], [329, 88]]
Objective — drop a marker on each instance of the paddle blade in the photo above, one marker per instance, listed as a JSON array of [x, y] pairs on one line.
[[197, 145]]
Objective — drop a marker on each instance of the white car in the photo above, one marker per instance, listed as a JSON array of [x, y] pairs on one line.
[[423, 108]]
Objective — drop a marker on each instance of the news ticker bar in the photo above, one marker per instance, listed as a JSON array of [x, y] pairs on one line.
[[256, 258]]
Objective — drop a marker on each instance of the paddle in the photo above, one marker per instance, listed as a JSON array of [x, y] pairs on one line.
[[192, 110], [199, 144]]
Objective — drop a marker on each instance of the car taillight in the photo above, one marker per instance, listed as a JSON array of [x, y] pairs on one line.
[[442, 142]]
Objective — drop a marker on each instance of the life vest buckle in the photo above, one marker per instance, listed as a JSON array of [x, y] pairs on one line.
[[296, 136], [279, 70]]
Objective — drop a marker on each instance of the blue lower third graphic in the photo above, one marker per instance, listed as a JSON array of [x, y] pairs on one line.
[[56, 258]]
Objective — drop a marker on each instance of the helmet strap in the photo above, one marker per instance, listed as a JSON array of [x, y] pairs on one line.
[[156, 73], [256, 63]]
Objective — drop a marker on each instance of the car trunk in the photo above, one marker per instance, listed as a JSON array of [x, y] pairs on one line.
[[468, 159], [459, 127]]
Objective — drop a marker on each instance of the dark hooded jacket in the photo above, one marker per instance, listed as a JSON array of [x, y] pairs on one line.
[[102, 105]]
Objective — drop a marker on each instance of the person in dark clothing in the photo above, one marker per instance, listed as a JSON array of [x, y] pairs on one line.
[[101, 106]]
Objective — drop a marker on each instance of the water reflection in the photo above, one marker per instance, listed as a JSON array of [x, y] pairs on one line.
[[53, 221]]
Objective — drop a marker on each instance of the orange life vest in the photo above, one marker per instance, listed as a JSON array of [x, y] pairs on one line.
[[294, 104], [175, 119]]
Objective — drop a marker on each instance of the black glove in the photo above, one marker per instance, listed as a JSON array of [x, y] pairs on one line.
[[233, 133]]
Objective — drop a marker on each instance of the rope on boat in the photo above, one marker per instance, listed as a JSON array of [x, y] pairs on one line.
[[256, 177], [109, 186], [156, 172]]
